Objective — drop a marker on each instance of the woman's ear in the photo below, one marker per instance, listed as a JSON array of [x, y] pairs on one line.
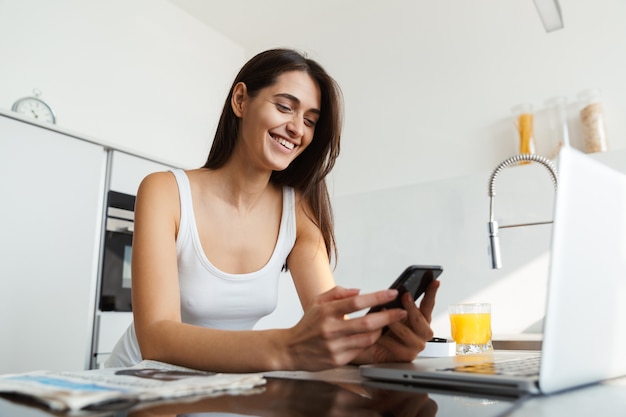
[[239, 98]]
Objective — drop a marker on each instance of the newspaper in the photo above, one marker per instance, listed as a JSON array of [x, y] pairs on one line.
[[101, 389]]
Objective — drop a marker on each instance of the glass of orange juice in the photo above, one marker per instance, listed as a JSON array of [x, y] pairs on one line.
[[470, 325]]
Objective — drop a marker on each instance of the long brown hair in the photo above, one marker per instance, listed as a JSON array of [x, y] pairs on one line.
[[308, 171]]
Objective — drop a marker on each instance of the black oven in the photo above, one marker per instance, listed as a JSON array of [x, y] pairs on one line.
[[115, 288]]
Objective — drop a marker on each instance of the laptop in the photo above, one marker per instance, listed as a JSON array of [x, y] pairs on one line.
[[584, 333]]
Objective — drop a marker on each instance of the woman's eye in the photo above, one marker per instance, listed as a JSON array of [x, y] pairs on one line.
[[283, 108], [310, 122]]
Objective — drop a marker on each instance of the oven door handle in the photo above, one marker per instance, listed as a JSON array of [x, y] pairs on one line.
[[120, 226]]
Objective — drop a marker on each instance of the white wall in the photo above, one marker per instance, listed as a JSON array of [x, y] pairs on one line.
[[444, 222], [139, 74], [429, 84]]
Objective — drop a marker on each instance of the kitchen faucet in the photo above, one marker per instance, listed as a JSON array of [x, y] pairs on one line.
[[494, 241]]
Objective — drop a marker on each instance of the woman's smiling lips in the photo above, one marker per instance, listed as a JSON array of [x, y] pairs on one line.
[[284, 142]]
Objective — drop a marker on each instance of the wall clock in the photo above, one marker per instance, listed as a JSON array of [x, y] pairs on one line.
[[34, 107]]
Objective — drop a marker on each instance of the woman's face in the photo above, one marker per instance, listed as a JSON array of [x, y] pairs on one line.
[[278, 123]]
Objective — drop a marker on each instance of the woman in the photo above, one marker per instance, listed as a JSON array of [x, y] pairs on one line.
[[209, 244]]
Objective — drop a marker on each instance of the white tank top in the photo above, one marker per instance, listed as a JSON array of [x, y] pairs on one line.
[[210, 297]]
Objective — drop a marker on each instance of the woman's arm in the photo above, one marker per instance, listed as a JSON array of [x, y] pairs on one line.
[[408, 337]]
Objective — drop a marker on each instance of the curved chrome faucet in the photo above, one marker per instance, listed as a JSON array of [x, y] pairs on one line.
[[494, 241]]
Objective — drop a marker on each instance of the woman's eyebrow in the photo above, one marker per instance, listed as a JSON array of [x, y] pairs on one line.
[[295, 99]]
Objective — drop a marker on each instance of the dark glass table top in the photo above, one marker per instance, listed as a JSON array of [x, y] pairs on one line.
[[301, 398]]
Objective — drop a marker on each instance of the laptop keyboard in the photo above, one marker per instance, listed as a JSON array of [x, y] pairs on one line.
[[527, 367]]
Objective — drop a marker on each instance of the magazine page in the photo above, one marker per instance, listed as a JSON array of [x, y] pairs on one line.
[[122, 387]]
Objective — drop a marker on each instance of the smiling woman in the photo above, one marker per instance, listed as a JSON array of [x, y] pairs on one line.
[[278, 119], [209, 244]]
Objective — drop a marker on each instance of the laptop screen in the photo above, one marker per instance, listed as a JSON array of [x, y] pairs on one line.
[[586, 309]]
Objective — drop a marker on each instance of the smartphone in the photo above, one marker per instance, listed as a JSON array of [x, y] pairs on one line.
[[414, 280]]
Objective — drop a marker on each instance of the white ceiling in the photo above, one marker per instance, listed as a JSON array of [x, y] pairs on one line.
[[252, 23]]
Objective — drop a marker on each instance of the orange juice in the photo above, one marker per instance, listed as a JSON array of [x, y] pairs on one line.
[[471, 328]]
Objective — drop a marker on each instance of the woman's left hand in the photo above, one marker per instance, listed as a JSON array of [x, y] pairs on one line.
[[405, 339]]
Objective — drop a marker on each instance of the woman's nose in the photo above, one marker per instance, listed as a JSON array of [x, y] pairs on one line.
[[295, 126]]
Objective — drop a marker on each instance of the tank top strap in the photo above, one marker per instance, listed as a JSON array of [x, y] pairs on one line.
[[288, 220], [186, 205]]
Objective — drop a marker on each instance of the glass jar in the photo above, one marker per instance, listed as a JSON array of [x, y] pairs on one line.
[[523, 119], [592, 121], [556, 108]]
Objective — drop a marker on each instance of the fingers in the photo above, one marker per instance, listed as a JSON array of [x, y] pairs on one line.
[[419, 318], [406, 338], [416, 327], [331, 308], [323, 332], [346, 301], [401, 343], [409, 327], [428, 302], [338, 293], [376, 321], [364, 333]]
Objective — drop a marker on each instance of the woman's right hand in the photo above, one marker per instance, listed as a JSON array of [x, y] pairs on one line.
[[325, 338]]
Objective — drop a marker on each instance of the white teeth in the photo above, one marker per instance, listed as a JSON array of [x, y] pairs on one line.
[[285, 143]]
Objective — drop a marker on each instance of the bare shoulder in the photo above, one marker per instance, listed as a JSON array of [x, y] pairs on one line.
[[157, 181], [158, 190]]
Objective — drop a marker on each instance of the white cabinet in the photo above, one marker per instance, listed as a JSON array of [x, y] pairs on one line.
[[51, 206], [53, 187], [110, 325], [127, 171]]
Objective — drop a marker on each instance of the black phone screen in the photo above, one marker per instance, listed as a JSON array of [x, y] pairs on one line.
[[414, 280]]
